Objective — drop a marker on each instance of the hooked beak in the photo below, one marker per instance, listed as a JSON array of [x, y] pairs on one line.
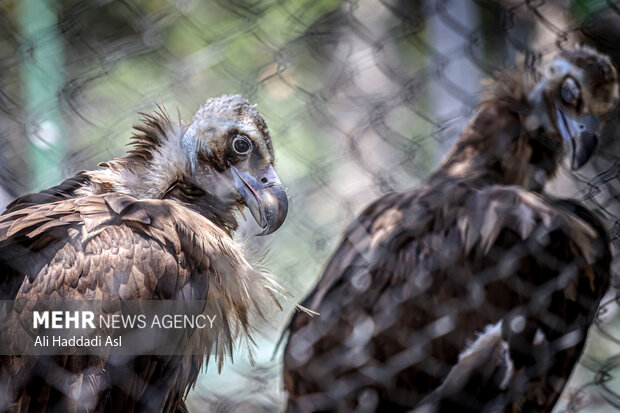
[[580, 136], [264, 197]]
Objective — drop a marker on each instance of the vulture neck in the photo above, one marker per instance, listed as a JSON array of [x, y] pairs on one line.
[[506, 142], [212, 207]]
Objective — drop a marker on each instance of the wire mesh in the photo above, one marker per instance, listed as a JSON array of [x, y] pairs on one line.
[[361, 97]]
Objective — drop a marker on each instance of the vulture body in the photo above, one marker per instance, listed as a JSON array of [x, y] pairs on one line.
[[474, 291], [154, 225]]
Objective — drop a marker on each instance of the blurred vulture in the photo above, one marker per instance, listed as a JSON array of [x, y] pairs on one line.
[[474, 291], [154, 225]]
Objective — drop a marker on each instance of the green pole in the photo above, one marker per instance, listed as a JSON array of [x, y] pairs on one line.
[[42, 79]]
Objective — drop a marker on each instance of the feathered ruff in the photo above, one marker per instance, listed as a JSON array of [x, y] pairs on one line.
[[154, 163]]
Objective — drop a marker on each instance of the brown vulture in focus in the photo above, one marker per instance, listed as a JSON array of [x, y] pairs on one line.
[[474, 291], [154, 225]]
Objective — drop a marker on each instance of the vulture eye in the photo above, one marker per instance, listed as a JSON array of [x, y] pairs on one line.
[[570, 92], [241, 145]]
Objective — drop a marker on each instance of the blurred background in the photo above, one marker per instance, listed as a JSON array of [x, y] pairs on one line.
[[361, 97]]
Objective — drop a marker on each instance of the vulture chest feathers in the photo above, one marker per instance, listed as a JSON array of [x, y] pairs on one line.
[[477, 251], [155, 225]]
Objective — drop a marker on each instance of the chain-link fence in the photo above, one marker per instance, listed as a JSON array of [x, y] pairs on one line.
[[361, 97]]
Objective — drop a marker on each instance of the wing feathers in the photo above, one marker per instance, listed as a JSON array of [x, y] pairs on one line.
[[114, 245], [488, 213], [477, 252]]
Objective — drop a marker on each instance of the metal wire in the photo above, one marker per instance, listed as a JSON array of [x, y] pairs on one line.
[[362, 98]]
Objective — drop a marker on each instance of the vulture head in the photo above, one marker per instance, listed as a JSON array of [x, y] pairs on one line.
[[578, 89], [219, 164], [230, 156]]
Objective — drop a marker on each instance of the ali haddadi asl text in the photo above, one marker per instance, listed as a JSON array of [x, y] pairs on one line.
[[59, 341]]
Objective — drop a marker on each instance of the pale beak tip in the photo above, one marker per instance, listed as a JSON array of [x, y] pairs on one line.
[[275, 204]]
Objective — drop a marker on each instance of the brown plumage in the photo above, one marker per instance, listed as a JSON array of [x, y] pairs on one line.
[[155, 225], [477, 250]]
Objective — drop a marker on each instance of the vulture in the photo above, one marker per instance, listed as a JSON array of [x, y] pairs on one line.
[[474, 291], [156, 224]]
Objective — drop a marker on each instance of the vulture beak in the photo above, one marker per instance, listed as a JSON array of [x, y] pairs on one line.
[[580, 136], [264, 196]]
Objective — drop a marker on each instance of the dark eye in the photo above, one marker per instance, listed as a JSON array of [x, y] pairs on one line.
[[241, 145], [570, 92]]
